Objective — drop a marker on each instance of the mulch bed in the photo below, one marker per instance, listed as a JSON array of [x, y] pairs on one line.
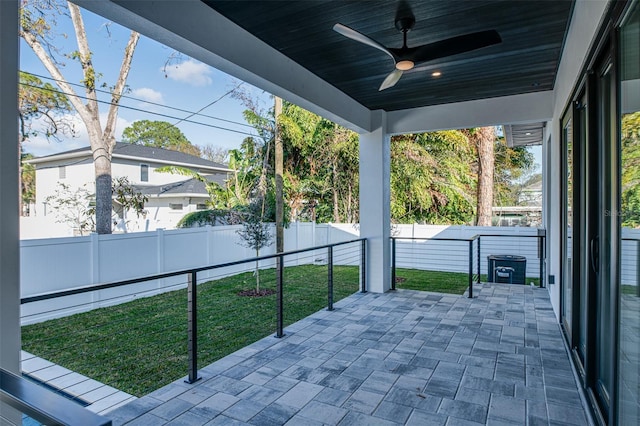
[[254, 293]]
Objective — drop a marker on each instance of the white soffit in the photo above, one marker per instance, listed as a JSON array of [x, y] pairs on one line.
[[516, 109], [524, 134]]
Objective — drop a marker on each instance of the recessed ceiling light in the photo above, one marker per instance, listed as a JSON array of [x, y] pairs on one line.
[[528, 134], [436, 74]]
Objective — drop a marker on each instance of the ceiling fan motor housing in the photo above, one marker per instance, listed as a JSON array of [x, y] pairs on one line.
[[405, 24]]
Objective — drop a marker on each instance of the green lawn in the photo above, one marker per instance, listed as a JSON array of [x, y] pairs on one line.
[[141, 345]]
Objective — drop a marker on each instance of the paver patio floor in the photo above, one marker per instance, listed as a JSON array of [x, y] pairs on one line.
[[403, 357]]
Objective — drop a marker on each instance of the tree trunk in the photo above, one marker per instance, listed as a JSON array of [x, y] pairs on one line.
[[102, 165], [485, 139], [257, 274]]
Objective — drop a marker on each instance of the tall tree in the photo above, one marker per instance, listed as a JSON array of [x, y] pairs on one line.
[[27, 184], [41, 103], [431, 178], [36, 30], [216, 154], [160, 134], [41, 112], [483, 138], [512, 168]]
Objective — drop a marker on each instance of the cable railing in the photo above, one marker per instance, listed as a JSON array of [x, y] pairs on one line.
[[630, 266], [156, 338], [509, 258], [436, 254]]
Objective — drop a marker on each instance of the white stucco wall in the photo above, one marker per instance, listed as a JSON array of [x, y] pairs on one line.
[[80, 172]]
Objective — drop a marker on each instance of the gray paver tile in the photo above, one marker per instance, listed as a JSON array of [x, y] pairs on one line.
[[359, 419], [215, 404], [325, 413], [422, 418], [507, 409], [442, 387], [463, 410], [188, 419], [276, 414], [260, 395], [171, 409], [300, 395], [244, 410], [393, 412], [225, 421], [567, 414], [473, 395], [302, 421], [363, 401], [146, 420], [404, 357], [332, 396]]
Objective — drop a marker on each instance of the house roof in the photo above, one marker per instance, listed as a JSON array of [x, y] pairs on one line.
[[138, 152], [189, 187]]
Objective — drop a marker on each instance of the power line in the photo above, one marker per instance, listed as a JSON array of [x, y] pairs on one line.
[[141, 110], [155, 103], [209, 104]]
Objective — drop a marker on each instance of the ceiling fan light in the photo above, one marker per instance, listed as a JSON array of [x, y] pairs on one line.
[[404, 65]]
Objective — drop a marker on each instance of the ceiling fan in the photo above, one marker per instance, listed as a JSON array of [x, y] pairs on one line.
[[405, 58]]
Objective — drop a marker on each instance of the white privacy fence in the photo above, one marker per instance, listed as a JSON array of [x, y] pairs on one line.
[[58, 264], [445, 248]]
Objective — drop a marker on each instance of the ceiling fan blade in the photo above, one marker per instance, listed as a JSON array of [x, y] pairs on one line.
[[357, 36], [391, 79], [455, 45]]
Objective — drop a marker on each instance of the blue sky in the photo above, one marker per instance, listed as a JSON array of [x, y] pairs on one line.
[[187, 84]]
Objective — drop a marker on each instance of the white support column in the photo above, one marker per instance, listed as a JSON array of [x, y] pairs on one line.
[[9, 201], [375, 199]]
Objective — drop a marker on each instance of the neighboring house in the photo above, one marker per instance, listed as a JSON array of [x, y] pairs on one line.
[[171, 195], [531, 195]]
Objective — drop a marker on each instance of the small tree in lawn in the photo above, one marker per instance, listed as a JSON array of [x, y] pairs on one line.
[[72, 206], [255, 234]]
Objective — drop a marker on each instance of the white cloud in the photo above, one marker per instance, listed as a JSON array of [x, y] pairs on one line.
[[190, 72], [40, 146], [149, 95]]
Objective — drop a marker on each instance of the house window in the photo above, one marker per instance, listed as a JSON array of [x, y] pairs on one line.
[[201, 206], [144, 173], [175, 206], [62, 172]]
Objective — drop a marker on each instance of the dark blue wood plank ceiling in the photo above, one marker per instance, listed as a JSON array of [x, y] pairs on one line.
[[526, 61]]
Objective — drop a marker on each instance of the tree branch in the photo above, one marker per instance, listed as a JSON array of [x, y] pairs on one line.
[[110, 126], [61, 82], [85, 59]]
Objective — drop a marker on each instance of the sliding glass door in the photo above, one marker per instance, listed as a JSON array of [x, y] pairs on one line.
[[629, 296]]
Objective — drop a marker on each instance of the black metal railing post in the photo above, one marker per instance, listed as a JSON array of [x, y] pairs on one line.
[[479, 260], [279, 298], [638, 267], [192, 314], [541, 256], [330, 278], [393, 263], [363, 265], [470, 269]]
